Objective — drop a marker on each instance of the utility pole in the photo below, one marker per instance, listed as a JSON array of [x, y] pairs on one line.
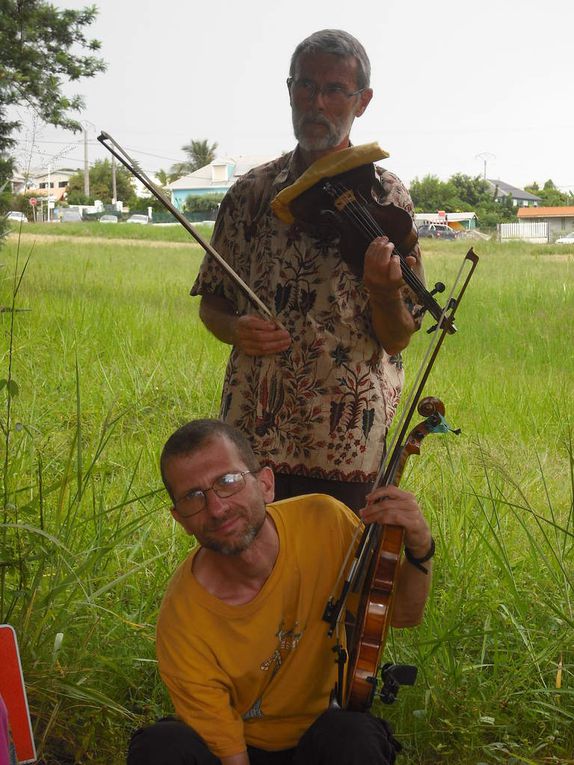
[[114, 190], [86, 165], [485, 155]]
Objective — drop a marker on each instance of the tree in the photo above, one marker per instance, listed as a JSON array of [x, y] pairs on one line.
[[550, 195], [431, 194], [101, 184], [39, 45], [199, 154], [471, 191]]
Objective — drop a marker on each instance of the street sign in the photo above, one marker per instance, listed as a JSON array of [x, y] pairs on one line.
[[33, 201]]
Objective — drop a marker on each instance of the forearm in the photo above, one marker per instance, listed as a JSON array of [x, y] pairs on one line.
[[413, 588], [392, 321], [219, 317]]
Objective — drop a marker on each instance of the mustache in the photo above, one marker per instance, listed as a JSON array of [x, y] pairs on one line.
[[313, 119], [220, 522]]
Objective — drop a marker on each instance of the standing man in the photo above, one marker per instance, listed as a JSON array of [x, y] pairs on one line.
[[315, 395], [241, 642]]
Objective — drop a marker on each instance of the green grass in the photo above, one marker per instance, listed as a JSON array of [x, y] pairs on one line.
[[108, 357], [89, 230]]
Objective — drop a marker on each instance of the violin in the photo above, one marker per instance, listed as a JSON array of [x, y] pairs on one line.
[[372, 573], [346, 207]]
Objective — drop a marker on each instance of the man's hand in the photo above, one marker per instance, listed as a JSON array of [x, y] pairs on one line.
[[255, 336], [393, 323], [393, 506], [382, 270]]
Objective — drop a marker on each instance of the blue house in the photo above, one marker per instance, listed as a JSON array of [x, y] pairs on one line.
[[216, 178]]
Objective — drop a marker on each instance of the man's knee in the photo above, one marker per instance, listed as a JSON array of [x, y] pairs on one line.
[[168, 742], [343, 738]]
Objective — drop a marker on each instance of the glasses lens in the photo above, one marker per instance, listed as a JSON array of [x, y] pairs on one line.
[[229, 484]]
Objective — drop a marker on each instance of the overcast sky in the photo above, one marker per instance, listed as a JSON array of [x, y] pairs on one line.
[[456, 83]]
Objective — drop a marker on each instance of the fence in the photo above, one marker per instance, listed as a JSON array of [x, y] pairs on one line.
[[536, 233]]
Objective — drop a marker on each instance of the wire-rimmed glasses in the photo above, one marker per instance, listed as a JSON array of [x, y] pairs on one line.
[[225, 486]]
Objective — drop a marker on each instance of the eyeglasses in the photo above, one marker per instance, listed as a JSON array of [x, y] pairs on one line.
[[225, 486], [307, 90]]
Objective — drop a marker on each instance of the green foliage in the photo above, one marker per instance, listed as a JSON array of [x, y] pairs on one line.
[[550, 195], [39, 44], [103, 363], [202, 202], [461, 193], [431, 194], [199, 154], [101, 184]]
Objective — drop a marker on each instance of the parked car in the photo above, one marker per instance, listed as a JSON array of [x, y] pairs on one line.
[[16, 216], [138, 219], [568, 239], [436, 231], [109, 219], [71, 216]]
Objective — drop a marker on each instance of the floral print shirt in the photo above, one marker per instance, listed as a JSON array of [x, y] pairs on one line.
[[322, 408]]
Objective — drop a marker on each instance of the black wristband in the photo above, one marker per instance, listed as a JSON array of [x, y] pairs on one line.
[[417, 562]]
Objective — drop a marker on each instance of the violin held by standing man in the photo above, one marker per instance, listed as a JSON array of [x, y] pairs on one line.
[[315, 391], [241, 642]]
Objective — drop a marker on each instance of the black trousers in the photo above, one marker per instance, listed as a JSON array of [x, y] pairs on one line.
[[335, 738], [351, 494]]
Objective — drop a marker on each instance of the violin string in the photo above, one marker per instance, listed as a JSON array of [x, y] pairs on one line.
[[363, 218]]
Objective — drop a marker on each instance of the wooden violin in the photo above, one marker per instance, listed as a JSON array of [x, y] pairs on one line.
[[372, 573], [346, 207]]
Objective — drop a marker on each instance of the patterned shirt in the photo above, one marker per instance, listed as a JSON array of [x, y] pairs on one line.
[[321, 408]]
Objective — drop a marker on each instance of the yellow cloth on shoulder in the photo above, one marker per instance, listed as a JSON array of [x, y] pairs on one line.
[[326, 167]]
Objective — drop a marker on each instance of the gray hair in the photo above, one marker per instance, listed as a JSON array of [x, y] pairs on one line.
[[338, 43], [191, 437]]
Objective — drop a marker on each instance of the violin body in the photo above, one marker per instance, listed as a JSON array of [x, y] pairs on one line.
[[375, 607], [346, 207]]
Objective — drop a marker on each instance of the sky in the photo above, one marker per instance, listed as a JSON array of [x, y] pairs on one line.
[[459, 87]]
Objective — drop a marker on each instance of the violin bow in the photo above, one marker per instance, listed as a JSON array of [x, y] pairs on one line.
[[351, 574], [122, 156]]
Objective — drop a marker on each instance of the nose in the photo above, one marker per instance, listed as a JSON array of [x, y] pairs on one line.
[[214, 505], [318, 98]]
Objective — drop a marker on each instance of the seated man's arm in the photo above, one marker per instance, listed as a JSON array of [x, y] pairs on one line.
[[391, 505]]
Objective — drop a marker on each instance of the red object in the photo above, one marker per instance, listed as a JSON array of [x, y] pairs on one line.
[[13, 692], [33, 201]]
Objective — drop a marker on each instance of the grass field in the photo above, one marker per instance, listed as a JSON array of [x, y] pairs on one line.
[[104, 356]]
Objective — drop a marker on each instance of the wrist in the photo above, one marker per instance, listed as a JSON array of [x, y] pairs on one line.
[[418, 556]]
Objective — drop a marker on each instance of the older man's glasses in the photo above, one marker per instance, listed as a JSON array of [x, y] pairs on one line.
[[225, 486], [307, 90]]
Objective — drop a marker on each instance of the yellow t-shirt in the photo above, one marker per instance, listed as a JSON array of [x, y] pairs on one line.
[[262, 672]]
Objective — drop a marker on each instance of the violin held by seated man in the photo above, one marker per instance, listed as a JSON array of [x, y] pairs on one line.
[[241, 642]]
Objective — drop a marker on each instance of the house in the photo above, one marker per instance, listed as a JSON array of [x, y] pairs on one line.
[[560, 219], [458, 221], [520, 198], [216, 178], [53, 183]]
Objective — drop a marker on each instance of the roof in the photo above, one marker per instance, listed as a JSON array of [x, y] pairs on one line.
[[203, 178], [505, 190], [546, 212]]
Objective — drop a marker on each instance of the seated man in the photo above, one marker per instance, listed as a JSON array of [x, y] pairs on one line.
[[241, 643]]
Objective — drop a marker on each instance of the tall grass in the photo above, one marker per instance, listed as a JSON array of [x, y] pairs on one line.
[[108, 356]]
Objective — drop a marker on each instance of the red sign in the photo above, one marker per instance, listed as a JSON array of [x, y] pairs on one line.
[[33, 201], [13, 692]]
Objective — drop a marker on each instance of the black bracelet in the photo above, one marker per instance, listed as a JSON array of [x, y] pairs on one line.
[[417, 562]]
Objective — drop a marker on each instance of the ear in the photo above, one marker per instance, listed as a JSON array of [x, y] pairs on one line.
[[267, 482], [364, 101]]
